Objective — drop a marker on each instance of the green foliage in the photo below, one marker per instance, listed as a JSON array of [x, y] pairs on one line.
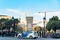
[[10, 23], [54, 18], [2, 21], [54, 23], [19, 29]]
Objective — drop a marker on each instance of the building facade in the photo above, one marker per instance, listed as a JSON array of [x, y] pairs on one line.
[[5, 17], [29, 21]]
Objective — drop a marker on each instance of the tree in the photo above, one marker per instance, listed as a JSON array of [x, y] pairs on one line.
[[2, 23], [12, 23], [54, 18], [19, 29], [38, 28], [54, 23]]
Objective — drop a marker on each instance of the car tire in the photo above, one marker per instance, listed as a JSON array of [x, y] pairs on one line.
[[19, 36], [30, 37], [35, 37]]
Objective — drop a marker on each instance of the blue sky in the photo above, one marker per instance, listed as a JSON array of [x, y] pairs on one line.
[[18, 8]]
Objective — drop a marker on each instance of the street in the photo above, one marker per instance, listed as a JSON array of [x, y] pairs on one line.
[[15, 38]]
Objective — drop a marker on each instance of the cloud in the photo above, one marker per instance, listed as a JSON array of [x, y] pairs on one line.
[[22, 14], [53, 13], [49, 14], [39, 14], [38, 17], [14, 11], [19, 13]]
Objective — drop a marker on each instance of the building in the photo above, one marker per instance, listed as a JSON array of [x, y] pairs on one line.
[[29, 21], [5, 17]]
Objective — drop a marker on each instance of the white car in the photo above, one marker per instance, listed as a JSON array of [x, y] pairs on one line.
[[28, 34]]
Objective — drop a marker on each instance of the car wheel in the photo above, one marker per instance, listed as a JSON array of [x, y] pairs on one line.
[[19, 36], [35, 37], [30, 37]]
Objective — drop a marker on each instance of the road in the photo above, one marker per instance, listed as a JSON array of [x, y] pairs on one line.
[[15, 38]]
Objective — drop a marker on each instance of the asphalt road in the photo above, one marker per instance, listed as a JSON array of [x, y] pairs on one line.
[[15, 38]]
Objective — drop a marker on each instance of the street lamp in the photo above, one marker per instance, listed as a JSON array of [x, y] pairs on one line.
[[44, 21], [44, 18]]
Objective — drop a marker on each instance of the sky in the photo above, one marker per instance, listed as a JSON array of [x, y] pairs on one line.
[[23, 8]]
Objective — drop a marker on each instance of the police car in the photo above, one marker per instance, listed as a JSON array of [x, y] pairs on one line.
[[28, 34]]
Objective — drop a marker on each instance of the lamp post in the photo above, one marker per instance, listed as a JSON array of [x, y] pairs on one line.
[[44, 21]]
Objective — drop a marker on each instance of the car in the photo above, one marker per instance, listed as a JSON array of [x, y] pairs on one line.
[[28, 34], [56, 35]]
